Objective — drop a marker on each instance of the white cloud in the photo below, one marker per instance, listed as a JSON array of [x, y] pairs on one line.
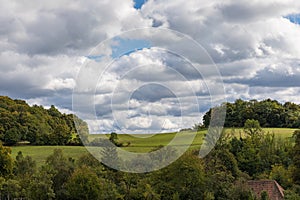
[[43, 45]]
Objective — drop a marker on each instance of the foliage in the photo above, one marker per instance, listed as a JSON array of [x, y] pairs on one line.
[[264, 195], [185, 176], [24, 165], [41, 185], [252, 127], [269, 113], [222, 160], [281, 175], [89, 160], [222, 174], [83, 184], [291, 195], [241, 191], [113, 137], [37, 125], [6, 162], [296, 158], [61, 169], [11, 189]]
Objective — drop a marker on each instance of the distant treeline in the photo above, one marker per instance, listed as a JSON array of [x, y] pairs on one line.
[[269, 113], [37, 125]]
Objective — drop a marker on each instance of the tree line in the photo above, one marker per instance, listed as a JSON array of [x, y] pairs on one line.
[[37, 125], [269, 113], [221, 175]]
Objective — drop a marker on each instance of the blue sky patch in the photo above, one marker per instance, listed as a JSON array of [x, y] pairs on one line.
[[96, 58], [294, 18], [127, 46], [139, 3]]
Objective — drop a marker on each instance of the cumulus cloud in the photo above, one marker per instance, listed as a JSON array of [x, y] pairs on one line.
[[286, 74], [42, 43], [154, 86]]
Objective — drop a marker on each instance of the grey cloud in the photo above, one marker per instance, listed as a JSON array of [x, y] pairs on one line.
[[250, 11], [60, 32], [63, 27], [267, 78], [42, 44], [207, 25], [152, 93], [103, 110], [282, 75]]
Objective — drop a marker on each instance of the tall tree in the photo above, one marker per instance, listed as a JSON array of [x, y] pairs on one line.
[[185, 176], [84, 185], [6, 161], [296, 158], [24, 165], [41, 185], [61, 169], [252, 128]]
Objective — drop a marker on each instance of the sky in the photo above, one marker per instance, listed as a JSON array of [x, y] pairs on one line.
[[135, 66], [139, 3]]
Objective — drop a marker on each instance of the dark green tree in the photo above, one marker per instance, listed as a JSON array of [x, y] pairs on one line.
[[185, 176], [24, 165], [41, 185], [6, 161], [252, 128], [61, 169], [12, 136], [84, 184], [11, 189], [248, 158], [296, 158]]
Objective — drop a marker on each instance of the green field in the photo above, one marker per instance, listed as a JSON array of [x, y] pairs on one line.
[[138, 143], [278, 132], [40, 153]]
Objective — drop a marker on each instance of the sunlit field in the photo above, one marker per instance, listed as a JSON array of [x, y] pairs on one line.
[[138, 143]]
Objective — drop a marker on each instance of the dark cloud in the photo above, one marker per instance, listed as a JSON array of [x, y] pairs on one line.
[[152, 93], [103, 110]]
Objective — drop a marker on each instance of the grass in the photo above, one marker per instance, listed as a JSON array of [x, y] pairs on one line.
[[142, 143], [278, 132], [138, 143], [40, 153]]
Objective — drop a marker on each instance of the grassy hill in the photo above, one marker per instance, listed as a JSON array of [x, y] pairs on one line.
[[138, 143]]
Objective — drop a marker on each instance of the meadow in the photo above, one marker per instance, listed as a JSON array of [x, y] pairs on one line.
[[138, 143]]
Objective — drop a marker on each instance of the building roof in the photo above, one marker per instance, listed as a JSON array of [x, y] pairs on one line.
[[274, 190]]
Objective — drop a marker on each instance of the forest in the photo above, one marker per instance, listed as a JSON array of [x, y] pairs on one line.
[[221, 175], [37, 125], [269, 113]]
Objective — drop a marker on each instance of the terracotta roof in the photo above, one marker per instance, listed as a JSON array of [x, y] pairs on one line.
[[274, 190]]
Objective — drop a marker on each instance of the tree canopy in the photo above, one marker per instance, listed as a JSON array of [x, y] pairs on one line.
[[269, 113], [37, 125]]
